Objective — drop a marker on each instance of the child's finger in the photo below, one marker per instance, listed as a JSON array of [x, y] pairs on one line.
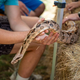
[[40, 20]]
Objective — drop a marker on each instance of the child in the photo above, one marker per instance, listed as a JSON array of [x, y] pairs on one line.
[[30, 7]]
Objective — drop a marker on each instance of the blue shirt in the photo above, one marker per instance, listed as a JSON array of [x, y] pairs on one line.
[[25, 1], [9, 2]]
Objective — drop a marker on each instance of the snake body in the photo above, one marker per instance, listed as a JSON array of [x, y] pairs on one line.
[[66, 36]]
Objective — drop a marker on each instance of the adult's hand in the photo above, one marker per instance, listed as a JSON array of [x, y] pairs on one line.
[[50, 39], [71, 17], [23, 8], [72, 5], [47, 39]]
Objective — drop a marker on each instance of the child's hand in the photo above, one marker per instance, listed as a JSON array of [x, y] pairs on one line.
[[71, 17], [23, 9], [73, 5]]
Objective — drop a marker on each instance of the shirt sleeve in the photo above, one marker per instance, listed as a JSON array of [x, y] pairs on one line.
[[11, 2]]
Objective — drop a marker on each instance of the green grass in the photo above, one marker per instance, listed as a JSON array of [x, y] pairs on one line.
[[5, 67], [39, 68]]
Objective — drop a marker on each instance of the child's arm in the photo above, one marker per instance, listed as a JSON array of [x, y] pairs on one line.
[[15, 20], [71, 17]]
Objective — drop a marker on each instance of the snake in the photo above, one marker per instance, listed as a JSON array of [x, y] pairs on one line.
[[68, 36]]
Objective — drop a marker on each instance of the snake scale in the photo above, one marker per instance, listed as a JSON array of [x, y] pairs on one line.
[[68, 36]]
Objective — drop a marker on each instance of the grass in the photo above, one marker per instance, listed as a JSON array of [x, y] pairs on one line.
[[5, 67]]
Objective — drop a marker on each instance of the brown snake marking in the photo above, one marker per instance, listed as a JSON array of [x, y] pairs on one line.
[[68, 36]]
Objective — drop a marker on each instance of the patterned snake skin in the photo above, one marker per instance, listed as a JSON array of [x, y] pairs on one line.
[[68, 36]]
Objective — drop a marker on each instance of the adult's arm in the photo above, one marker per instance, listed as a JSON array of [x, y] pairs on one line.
[[17, 24], [11, 37]]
